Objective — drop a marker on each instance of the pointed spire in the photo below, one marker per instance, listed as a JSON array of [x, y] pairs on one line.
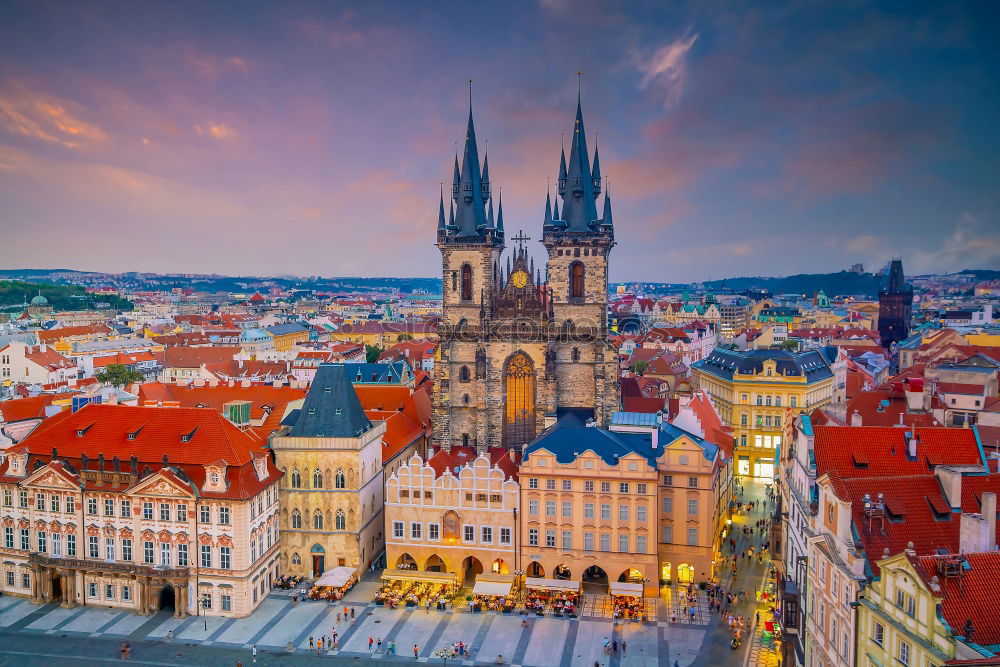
[[580, 206], [486, 162], [472, 193], [451, 216], [596, 176], [458, 178], [548, 210], [555, 210], [441, 224], [500, 213], [562, 169], [606, 220]]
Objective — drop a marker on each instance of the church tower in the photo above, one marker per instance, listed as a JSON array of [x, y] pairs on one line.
[[895, 306], [518, 349]]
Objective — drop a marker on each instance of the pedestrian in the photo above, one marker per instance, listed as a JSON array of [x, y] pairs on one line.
[[338, 618], [370, 642], [295, 600], [392, 648], [352, 613], [416, 652], [310, 643], [756, 617], [624, 647], [128, 650], [614, 647], [121, 651], [378, 645], [253, 651]]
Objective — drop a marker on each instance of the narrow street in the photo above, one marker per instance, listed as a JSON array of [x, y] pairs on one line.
[[716, 649]]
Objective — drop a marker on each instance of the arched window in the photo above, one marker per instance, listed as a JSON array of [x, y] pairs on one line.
[[576, 354], [341, 520], [317, 479], [760, 400], [296, 559], [465, 439], [317, 520], [777, 401], [296, 519], [296, 479], [519, 401], [463, 374], [338, 479], [466, 282], [767, 400], [465, 399], [576, 274]]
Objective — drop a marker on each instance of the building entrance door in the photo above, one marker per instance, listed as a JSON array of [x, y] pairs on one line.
[[166, 600], [318, 565], [56, 587]]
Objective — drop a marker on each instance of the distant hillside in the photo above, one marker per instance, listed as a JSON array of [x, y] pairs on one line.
[[833, 284], [60, 297]]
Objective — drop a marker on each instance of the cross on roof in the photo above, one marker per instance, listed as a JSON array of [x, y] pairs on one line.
[[520, 238]]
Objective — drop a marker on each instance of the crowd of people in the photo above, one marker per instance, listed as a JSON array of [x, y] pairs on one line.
[[287, 581], [415, 593], [628, 607], [538, 599]]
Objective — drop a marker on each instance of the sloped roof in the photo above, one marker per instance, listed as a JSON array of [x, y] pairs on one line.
[[974, 596], [331, 408], [32, 407], [724, 363], [869, 451], [568, 442]]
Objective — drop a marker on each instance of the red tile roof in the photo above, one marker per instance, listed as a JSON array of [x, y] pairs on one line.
[[264, 399], [123, 358], [194, 357], [869, 405], [505, 459], [885, 448], [54, 335], [972, 596], [961, 388], [28, 408]]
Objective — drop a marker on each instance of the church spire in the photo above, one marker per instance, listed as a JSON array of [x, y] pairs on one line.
[[471, 190], [500, 213], [441, 223], [606, 220], [548, 210], [579, 200], [595, 178]]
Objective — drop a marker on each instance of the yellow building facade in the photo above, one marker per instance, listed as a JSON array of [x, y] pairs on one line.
[[756, 392]]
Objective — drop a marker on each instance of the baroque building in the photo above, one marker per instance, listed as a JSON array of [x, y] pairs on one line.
[[520, 347]]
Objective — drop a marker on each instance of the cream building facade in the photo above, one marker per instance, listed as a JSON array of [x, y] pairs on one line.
[[455, 512]]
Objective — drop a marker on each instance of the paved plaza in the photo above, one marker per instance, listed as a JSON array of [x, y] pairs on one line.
[[277, 623]]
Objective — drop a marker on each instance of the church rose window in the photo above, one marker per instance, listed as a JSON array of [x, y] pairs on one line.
[[519, 415]]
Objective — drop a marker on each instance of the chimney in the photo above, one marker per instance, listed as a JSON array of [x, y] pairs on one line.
[[978, 532], [911, 447], [43, 347], [951, 481], [856, 418]]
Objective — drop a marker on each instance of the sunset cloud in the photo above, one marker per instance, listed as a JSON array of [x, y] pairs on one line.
[[38, 116], [667, 69]]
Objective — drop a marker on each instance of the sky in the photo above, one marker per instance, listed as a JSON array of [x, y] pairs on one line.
[[262, 138]]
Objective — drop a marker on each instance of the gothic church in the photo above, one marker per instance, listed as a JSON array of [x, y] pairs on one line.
[[521, 348]]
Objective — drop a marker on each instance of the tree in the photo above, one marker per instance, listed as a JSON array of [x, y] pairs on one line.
[[119, 375], [640, 367], [371, 353], [790, 345], [401, 337]]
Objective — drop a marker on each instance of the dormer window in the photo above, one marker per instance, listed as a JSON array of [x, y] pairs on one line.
[[214, 477]]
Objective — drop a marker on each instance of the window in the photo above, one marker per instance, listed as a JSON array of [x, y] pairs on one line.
[[533, 537], [40, 502], [605, 487], [182, 555], [693, 506], [550, 484], [164, 512], [126, 594], [903, 655], [576, 280], [54, 503], [640, 489], [743, 419], [605, 511], [588, 510], [693, 482], [550, 538], [164, 553], [397, 530], [42, 546], [340, 520], [668, 504], [22, 501], [623, 543], [71, 545], [906, 603], [550, 508], [605, 541], [147, 552], [339, 481], [317, 520], [588, 486], [224, 516], [10, 579], [206, 600], [640, 544], [533, 507], [8, 537], [296, 518], [469, 532], [567, 509], [588, 541], [25, 540], [640, 513], [296, 479], [317, 479], [567, 485], [623, 512], [793, 401], [434, 531], [8, 498], [415, 530], [126, 509], [567, 540], [227, 601], [225, 558], [668, 480], [692, 537], [91, 590], [760, 400], [109, 549], [206, 555], [466, 282], [878, 634], [93, 549], [147, 511], [26, 581], [182, 513], [532, 482]]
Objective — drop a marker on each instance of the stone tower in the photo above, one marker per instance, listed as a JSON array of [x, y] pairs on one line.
[[895, 306], [519, 349]]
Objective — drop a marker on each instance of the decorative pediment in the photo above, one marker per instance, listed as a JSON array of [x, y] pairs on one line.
[[164, 536], [51, 476], [163, 484]]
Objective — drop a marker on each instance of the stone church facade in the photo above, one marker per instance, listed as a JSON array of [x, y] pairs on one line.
[[522, 346]]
